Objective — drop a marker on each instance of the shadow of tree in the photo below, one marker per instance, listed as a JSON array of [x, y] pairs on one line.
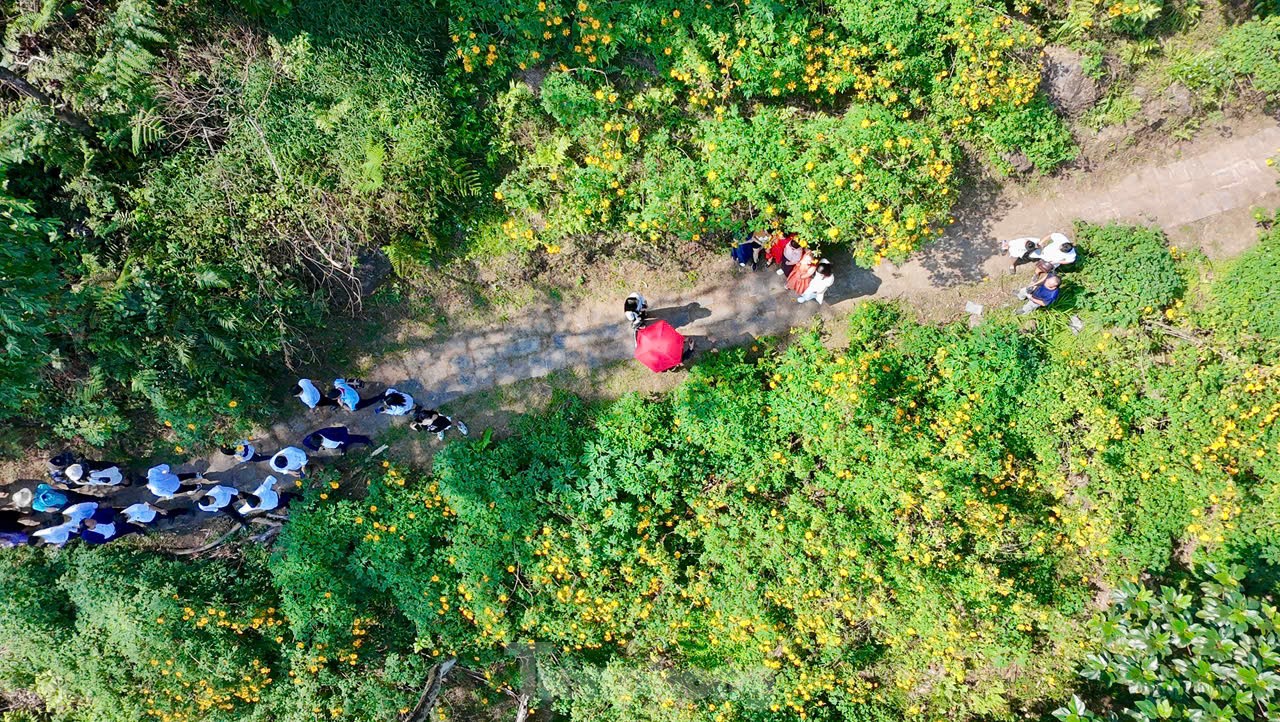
[[956, 258]]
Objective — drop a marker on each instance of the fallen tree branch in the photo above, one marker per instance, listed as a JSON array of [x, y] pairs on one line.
[[427, 702], [70, 118]]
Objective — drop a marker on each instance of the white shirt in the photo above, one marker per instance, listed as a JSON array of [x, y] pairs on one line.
[[1018, 247], [394, 410], [268, 498], [162, 482], [58, 535], [289, 460], [220, 496], [792, 253], [818, 286], [79, 512], [109, 476], [1053, 252], [310, 394], [140, 513]]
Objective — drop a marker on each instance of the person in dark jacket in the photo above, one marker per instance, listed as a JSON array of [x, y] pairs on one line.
[[334, 437]]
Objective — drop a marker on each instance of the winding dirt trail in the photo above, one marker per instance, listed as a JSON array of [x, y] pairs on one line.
[[1201, 195]]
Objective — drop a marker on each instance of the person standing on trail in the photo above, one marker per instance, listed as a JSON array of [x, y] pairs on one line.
[[290, 460], [310, 396], [823, 278], [1039, 295], [802, 272], [1019, 250], [334, 437], [244, 453], [793, 251], [345, 393], [395, 403], [749, 251], [635, 308], [1056, 250], [436, 423], [165, 484]]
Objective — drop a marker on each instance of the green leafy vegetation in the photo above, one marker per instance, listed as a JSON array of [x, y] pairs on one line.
[[914, 525], [1126, 273], [1186, 654]]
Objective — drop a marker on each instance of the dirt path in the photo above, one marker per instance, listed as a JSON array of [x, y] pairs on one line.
[[1203, 197]]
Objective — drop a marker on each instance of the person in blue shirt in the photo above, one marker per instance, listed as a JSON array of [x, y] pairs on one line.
[[345, 393], [1040, 294], [310, 395]]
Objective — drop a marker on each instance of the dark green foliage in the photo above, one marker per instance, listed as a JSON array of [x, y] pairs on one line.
[[1126, 272], [1186, 653]]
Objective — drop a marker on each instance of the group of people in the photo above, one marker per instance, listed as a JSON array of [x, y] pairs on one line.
[[807, 274], [54, 512], [1048, 254]]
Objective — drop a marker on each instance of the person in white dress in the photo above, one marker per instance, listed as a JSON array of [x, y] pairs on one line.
[[823, 278]]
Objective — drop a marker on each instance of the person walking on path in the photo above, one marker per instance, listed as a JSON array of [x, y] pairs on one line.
[[310, 395], [45, 498], [437, 423], [635, 308], [105, 526], [344, 391], [264, 499], [1039, 295], [822, 279], [334, 437], [143, 514], [165, 484], [12, 529], [395, 403], [245, 453], [217, 498], [57, 535], [290, 460], [93, 473]]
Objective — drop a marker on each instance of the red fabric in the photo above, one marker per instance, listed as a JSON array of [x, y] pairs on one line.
[[659, 346], [775, 251], [798, 280]]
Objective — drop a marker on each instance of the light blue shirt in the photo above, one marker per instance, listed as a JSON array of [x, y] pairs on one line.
[[310, 394], [347, 396]]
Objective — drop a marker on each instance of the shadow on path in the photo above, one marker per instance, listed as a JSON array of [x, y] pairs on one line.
[[957, 257]]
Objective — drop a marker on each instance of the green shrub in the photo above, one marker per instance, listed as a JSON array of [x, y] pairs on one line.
[[1186, 654], [1125, 272], [1246, 298], [1036, 131]]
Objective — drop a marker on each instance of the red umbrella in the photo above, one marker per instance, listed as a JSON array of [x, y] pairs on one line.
[[659, 346]]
